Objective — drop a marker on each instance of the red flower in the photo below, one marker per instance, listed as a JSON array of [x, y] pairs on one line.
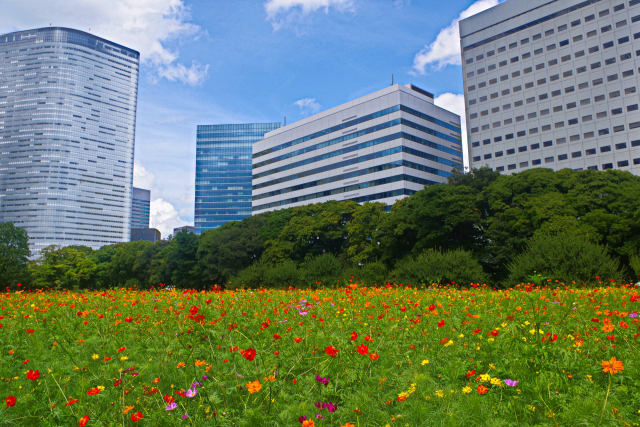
[[374, 356], [71, 401], [441, 324], [83, 421], [494, 332], [432, 307], [93, 391], [368, 338], [481, 389], [11, 401], [249, 354], [276, 337], [121, 349], [117, 382], [470, 373], [444, 340], [297, 339], [354, 335], [30, 331], [363, 349], [331, 351], [167, 398], [137, 416], [477, 331], [33, 375]]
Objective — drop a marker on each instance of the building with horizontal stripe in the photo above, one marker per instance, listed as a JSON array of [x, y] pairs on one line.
[[381, 147], [553, 83]]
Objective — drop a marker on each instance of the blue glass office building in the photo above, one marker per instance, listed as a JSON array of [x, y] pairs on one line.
[[223, 172], [67, 126], [140, 208]]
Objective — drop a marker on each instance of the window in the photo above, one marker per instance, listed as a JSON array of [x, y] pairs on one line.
[[532, 115], [522, 149], [521, 133], [502, 63], [605, 28], [491, 53], [493, 81], [607, 45], [581, 69], [535, 162], [590, 151], [548, 32], [537, 36], [479, 57], [587, 135], [612, 77], [527, 70], [548, 159], [524, 164], [475, 144], [547, 143], [607, 166], [601, 114], [565, 58], [635, 143], [605, 149], [574, 138], [618, 128], [546, 128], [515, 59], [616, 111], [499, 168], [623, 163], [576, 154], [544, 112], [511, 166], [553, 62], [508, 136], [594, 49], [569, 89], [508, 121], [512, 45], [562, 157], [495, 109], [486, 141], [630, 90], [614, 94], [515, 74], [540, 66], [621, 146], [579, 54], [504, 77], [524, 40], [491, 67], [538, 51], [577, 38], [541, 81], [528, 85], [625, 56], [535, 146], [598, 98], [502, 49], [499, 153], [564, 43], [554, 77], [561, 140], [542, 96], [562, 27], [573, 122], [592, 33], [603, 13], [597, 81], [497, 139], [487, 156], [604, 131], [632, 107], [511, 151], [585, 101], [571, 105], [587, 118], [621, 24], [589, 18], [596, 65], [526, 55], [557, 108], [610, 61], [618, 7]]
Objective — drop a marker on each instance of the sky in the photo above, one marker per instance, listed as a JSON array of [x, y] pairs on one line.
[[239, 61]]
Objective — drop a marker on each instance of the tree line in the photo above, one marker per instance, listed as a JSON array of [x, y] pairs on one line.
[[580, 226]]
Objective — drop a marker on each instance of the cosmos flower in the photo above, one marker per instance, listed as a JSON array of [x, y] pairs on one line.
[[612, 366], [10, 401], [510, 382]]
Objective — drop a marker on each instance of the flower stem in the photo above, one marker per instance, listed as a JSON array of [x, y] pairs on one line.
[[605, 400]]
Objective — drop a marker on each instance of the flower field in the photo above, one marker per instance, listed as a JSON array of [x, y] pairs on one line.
[[355, 356]]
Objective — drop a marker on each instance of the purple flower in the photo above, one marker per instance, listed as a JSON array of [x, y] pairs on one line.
[[319, 405], [510, 382], [323, 380], [171, 406], [302, 418], [318, 415], [191, 392], [185, 416], [331, 407], [196, 384]]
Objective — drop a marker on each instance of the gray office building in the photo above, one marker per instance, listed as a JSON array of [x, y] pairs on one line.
[[553, 84], [381, 147], [67, 125]]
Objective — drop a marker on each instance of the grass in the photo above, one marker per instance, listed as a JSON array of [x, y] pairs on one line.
[[405, 356]]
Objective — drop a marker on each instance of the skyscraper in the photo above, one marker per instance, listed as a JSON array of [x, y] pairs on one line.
[[381, 147], [67, 125], [553, 84], [140, 208], [223, 172]]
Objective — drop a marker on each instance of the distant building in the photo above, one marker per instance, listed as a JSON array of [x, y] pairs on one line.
[[185, 228], [223, 172], [67, 125], [381, 147], [148, 234], [553, 84], [140, 208]]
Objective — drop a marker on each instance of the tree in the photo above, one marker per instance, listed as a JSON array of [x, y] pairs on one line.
[[64, 268], [434, 266], [14, 254]]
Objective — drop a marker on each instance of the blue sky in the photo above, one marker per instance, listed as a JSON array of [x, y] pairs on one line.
[[230, 61]]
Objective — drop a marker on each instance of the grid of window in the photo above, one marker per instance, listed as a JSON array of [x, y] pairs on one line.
[[223, 172], [568, 81], [67, 125], [140, 208], [380, 147]]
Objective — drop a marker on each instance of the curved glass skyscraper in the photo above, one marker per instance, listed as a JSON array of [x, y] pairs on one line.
[[67, 127]]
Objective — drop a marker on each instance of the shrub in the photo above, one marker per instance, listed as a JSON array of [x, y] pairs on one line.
[[564, 256], [434, 266]]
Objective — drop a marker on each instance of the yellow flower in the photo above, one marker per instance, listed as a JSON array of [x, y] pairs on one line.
[[123, 358], [101, 387], [449, 343], [485, 377], [425, 362], [532, 331], [461, 336], [496, 381], [466, 390], [95, 357], [439, 393]]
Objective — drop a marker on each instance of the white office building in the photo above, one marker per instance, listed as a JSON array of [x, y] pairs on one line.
[[553, 83], [381, 147]]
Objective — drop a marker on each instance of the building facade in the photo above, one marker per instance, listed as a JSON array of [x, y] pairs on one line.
[[381, 147], [185, 228], [67, 125], [223, 172], [146, 234], [553, 84], [140, 208]]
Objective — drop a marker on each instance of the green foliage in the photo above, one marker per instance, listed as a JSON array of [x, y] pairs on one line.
[[433, 266], [14, 253], [321, 270], [64, 268], [373, 273], [565, 256]]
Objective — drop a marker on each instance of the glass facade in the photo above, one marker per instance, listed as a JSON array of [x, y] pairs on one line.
[[140, 208], [223, 172], [67, 126]]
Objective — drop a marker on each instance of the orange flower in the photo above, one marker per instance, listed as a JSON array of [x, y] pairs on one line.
[[347, 425], [308, 423], [482, 389], [127, 409], [612, 366], [608, 327], [254, 386]]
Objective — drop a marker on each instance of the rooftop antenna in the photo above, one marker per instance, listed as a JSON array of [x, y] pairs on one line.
[[391, 79], [285, 120]]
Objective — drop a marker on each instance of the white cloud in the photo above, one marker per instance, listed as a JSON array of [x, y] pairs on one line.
[[308, 105], [144, 25], [193, 75], [142, 178], [281, 12], [454, 102], [164, 217], [445, 50]]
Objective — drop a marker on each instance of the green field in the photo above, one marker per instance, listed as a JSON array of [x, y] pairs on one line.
[[395, 355]]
